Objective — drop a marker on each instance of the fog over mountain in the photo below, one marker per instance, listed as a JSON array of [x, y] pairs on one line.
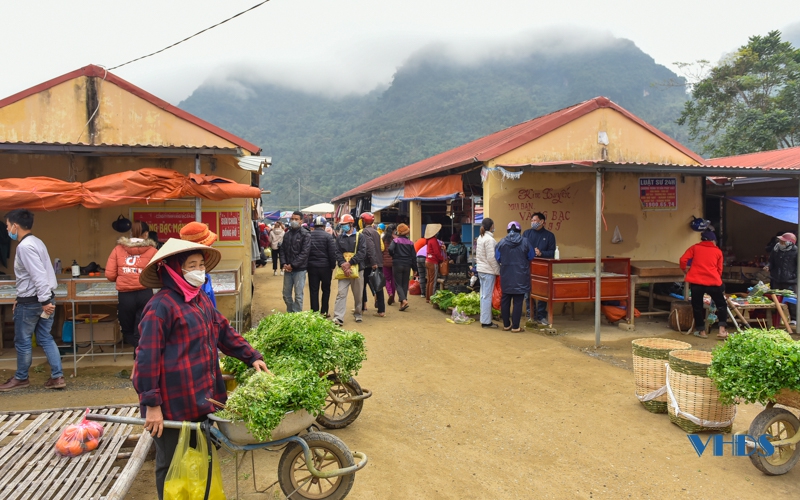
[[330, 134]]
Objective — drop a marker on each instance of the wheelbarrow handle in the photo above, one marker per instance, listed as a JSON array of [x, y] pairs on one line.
[[169, 424]]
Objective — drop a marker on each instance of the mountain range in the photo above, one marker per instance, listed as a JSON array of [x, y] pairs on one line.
[[324, 145]]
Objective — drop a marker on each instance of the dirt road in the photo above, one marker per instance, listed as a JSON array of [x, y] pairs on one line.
[[463, 412]]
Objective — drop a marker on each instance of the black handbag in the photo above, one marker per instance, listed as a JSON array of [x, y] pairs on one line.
[[376, 281]]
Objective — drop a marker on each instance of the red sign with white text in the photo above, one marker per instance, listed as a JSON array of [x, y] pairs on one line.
[[230, 226]]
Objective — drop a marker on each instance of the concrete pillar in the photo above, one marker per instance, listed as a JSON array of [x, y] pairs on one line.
[[415, 219]]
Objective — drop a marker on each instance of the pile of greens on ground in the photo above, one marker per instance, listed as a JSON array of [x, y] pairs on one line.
[[443, 299], [754, 365], [468, 303], [299, 349]]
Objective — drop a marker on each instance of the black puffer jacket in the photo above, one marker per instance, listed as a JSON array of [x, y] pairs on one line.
[[323, 251], [295, 248], [783, 265]]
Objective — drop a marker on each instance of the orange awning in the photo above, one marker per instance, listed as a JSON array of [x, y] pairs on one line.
[[148, 185]]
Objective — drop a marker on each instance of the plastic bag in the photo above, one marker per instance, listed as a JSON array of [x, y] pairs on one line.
[[376, 281], [414, 288], [188, 471], [459, 318], [77, 439], [617, 236], [497, 293]]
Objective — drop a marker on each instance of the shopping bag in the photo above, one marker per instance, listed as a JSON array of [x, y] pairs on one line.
[[376, 281], [339, 273], [188, 471], [497, 293], [444, 268], [414, 288]]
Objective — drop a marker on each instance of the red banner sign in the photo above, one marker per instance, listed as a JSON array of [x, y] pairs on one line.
[[168, 223]]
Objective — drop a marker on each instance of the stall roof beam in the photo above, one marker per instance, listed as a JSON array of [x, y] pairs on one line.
[[89, 150], [642, 168]]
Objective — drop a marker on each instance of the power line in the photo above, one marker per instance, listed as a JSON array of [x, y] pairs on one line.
[[190, 37]]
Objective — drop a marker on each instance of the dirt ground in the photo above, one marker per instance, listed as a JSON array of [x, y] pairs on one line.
[[463, 412]]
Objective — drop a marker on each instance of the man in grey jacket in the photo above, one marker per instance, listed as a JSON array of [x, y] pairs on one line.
[[35, 303], [374, 261]]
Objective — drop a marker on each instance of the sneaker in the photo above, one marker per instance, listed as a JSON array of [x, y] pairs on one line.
[[490, 325], [358, 319], [793, 323], [14, 383], [275, 273], [543, 322], [55, 383], [338, 322], [281, 273]]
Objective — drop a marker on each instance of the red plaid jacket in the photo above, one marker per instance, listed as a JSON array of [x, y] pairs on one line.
[[177, 362]]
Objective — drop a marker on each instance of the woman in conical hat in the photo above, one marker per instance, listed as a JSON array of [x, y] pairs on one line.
[[177, 369]]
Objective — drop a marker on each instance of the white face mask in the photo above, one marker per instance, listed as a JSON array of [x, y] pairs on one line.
[[195, 278]]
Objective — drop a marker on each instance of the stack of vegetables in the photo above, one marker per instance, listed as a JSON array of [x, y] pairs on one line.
[[300, 349], [467, 303], [755, 365]]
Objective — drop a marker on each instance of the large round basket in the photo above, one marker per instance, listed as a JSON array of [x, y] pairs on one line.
[[681, 317], [695, 394], [650, 372]]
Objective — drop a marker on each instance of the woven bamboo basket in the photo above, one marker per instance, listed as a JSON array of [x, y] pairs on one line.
[[649, 371], [696, 394], [788, 398]]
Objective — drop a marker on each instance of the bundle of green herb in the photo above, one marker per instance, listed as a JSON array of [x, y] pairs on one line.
[[299, 349], [443, 299], [754, 365]]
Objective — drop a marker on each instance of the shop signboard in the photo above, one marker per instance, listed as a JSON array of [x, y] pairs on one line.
[[658, 193], [226, 222]]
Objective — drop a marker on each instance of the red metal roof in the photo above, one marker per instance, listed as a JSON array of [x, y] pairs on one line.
[[778, 158], [503, 141], [96, 71]]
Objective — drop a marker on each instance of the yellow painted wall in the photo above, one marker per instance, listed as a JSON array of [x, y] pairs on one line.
[[59, 115], [577, 140], [86, 234], [568, 201]]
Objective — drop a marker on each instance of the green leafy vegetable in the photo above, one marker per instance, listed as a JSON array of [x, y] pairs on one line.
[[443, 299], [299, 349], [754, 365], [468, 303]]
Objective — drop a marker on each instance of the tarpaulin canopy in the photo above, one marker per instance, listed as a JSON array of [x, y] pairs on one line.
[[781, 208], [319, 208], [147, 185], [386, 198], [276, 215], [433, 188]]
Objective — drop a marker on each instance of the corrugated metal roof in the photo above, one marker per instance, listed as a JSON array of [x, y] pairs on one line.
[[96, 71], [788, 158], [708, 170], [503, 141]]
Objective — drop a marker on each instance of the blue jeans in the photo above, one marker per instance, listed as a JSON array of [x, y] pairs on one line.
[[487, 288], [296, 280], [27, 321]]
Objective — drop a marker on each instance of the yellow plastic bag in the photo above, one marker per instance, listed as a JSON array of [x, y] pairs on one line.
[[186, 477]]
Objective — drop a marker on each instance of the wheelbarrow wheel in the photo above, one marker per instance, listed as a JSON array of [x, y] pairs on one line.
[[340, 415], [329, 453], [780, 424]]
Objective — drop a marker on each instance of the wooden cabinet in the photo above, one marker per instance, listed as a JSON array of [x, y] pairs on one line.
[[573, 280]]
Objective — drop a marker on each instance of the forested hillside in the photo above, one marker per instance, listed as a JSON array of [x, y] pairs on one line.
[[330, 145]]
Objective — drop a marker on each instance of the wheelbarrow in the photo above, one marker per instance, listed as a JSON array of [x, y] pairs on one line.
[[784, 428], [314, 466], [342, 406]]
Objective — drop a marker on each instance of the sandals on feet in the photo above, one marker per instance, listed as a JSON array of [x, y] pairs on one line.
[[517, 330], [701, 334], [404, 306], [507, 328]]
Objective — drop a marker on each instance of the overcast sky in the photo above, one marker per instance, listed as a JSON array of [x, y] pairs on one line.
[[340, 46]]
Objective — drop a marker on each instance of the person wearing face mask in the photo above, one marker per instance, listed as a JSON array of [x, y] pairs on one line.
[[704, 262], [782, 267], [126, 262], [351, 251], [35, 305], [543, 243], [294, 256], [488, 270], [177, 370], [198, 232]]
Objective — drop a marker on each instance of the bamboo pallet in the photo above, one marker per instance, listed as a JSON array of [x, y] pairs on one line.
[[30, 468]]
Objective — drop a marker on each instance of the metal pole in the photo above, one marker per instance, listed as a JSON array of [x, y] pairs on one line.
[[198, 203], [598, 207]]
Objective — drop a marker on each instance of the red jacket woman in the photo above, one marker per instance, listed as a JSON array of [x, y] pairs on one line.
[[705, 277]]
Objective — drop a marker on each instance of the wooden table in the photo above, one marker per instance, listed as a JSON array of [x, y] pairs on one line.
[[745, 309], [652, 272]]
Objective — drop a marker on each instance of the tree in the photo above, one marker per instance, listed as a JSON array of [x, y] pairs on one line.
[[749, 102]]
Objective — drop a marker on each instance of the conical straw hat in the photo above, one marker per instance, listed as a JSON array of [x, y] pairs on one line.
[[431, 230], [149, 277]]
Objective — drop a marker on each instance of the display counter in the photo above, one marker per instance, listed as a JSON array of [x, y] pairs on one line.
[[226, 280], [573, 280]]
